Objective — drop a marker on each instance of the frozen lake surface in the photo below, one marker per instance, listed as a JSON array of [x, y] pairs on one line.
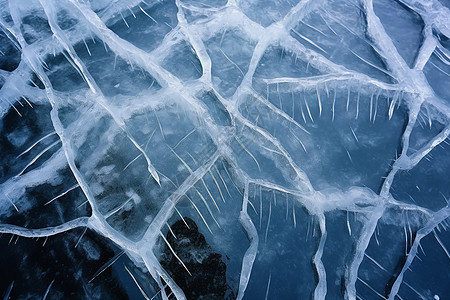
[[240, 149]]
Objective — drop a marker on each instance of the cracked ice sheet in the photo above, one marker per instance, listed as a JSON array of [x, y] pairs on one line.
[[135, 114], [35, 259], [288, 240], [220, 187]]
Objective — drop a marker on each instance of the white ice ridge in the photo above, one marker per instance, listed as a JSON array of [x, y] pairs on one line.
[[259, 146]]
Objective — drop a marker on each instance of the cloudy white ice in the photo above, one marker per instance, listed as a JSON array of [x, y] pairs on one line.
[[307, 140]]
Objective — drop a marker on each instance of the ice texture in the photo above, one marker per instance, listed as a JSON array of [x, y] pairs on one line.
[[306, 142]]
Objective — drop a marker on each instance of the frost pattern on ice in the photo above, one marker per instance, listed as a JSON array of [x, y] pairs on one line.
[[159, 110]]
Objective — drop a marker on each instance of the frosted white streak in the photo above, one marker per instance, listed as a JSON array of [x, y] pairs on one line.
[[250, 254], [436, 219], [321, 288], [43, 232]]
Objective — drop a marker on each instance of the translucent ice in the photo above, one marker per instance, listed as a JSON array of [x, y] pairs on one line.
[[305, 142]]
